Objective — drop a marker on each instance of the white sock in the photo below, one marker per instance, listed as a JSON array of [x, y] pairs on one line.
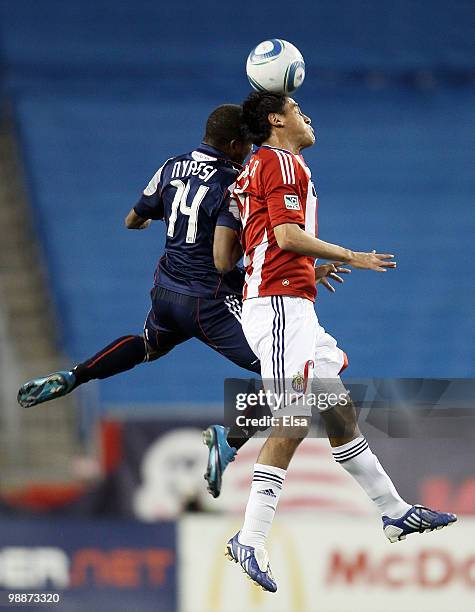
[[266, 486], [358, 460]]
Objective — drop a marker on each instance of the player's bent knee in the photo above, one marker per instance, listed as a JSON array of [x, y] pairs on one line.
[[345, 408], [151, 353], [341, 420], [292, 427]]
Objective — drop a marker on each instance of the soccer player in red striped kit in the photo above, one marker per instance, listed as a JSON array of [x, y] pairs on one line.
[[277, 205]]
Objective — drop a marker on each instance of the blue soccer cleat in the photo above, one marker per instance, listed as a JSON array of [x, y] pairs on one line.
[[39, 390], [416, 520], [220, 456], [254, 563]]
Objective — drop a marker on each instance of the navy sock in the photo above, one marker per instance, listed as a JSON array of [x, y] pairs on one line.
[[236, 441], [239, 435], [123, 354]]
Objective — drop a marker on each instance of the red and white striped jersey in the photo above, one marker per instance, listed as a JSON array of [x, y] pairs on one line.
[[274, 188]]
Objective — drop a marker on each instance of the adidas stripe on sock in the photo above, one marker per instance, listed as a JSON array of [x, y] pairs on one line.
[[353, 451], [358, 460]]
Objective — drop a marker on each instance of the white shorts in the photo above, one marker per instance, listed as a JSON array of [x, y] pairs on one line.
[[293, 348]]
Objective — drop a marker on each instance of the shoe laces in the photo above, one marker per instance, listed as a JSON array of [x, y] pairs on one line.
[[262, 559]]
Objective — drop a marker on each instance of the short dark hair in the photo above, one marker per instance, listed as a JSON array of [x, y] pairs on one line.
[[224, 125], [255, 114]]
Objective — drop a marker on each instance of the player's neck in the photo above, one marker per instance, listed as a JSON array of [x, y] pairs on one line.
[[281, 142]]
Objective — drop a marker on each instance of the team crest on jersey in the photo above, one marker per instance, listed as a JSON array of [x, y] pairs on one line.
[[299, 383], [291, 202]]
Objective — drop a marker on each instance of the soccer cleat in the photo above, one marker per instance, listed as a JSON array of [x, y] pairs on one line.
[[416, 520], [220, 455], [39, 390], [254, 563]]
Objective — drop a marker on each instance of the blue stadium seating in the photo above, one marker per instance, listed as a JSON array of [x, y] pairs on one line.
[[102, 96]]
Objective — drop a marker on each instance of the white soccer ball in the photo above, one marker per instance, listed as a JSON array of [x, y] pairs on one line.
[[275, 65]]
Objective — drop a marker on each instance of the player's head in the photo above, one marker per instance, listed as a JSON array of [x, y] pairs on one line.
[[272, 115], [224, 131]]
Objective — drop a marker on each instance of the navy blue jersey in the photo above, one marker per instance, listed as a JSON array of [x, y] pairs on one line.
[[190, 193]]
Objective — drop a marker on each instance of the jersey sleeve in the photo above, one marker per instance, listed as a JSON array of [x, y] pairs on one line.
[[278, 176], [150, 205], [228, 214]]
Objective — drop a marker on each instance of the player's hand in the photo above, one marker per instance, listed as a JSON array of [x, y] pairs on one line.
[[330, 270], [144, 225], [379, 262]]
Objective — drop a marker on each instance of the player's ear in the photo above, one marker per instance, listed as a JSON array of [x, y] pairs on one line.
[[275, 119]]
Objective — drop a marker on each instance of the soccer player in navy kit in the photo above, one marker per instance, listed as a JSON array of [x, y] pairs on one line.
[[197, 288], [190, 297]]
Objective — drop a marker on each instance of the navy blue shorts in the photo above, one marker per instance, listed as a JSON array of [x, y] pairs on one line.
[[175, 318]]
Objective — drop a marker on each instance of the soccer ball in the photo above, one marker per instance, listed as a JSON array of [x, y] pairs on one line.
[[275, 65]]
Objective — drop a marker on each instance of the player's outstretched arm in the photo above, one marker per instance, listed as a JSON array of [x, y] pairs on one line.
[[227, 250], [291, 237], [133, 221]]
